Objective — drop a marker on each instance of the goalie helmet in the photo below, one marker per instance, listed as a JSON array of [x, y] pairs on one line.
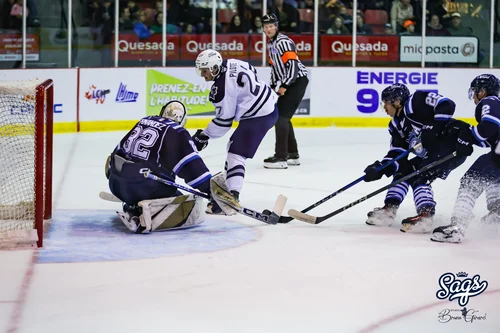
[[396, 91], [176, 111], [488, 82]]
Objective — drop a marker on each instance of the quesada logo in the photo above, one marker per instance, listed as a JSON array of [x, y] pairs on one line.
[[125, 96]]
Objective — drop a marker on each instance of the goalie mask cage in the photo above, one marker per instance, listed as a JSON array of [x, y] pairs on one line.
[[26, 129]]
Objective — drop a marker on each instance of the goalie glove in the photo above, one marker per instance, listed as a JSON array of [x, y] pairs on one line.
[[200, 140]]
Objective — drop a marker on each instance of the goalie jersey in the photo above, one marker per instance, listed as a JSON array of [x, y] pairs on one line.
[[422, 108], [238, 94], [166, 148]]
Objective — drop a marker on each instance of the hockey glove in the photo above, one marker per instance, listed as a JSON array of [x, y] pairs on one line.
[[454, 127], [429, 137], [371, 173], [464, 143], [200, 140]]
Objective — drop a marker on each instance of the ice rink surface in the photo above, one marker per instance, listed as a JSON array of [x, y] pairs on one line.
[[235, 274]]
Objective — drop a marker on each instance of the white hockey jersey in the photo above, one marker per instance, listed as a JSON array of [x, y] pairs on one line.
[[238, 94]]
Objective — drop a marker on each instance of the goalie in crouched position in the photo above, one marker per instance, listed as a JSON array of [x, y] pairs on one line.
[[161, 145]]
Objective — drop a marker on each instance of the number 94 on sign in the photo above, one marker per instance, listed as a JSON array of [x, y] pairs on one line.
[[368, 99]]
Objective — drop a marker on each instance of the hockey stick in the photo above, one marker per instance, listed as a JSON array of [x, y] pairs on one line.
[[316, 220], [108, 197], [286, 219], [266, 216]]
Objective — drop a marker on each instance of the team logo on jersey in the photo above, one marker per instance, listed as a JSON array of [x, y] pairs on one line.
[[99, 95], [461, 288], [213, 92], [125, 96]]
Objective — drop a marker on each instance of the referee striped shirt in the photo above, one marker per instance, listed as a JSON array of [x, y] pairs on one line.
[[284, 61]]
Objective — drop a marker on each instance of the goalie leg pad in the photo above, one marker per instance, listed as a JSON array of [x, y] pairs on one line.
[[220, 194], [172, 213]]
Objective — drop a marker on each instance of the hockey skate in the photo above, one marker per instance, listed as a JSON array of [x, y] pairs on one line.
[[274, 162], [421, 223], [131, 218], [382, 215], [448, 234], [213, 207], [293, 159], [491, 218]]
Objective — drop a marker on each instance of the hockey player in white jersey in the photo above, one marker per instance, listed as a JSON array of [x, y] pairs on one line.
[[238, 95]]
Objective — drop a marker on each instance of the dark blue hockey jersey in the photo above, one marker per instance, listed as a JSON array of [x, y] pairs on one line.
[[422, 108], [487, 132], [161, 143]]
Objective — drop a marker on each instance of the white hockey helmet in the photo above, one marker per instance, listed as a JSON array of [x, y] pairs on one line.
[[210, 59], [176, 111]]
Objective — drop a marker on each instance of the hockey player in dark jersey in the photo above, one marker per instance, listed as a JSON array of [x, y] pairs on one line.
[[420, 117], [162, 145], [484, 174]]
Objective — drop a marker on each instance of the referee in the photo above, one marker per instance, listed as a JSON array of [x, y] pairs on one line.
[[291, 74]]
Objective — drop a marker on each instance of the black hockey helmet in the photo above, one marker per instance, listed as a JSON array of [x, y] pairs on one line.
[[270, 19], [396, 91], [488, 82]]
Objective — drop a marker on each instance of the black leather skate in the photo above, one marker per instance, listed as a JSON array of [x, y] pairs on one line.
[[274, 162], [421, 223]]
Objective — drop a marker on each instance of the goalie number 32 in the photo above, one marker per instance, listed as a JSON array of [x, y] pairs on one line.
[[140, 140]]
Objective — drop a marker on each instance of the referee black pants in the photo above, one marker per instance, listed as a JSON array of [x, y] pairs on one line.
[[287, 104]]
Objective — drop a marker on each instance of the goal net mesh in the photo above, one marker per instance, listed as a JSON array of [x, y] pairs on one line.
[[18, 151]]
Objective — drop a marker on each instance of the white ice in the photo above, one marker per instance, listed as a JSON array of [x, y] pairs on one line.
[[339, 276]]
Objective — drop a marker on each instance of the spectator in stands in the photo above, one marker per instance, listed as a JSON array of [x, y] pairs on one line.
[[5, 14], [307, 4], [338, 27], [207, 28], [288, 16], [236, 26], [134, 10], [140, 27], [157, 26], [362, 28], [248, 10], [189, 29], [400, 12], [456, 28], [409, 26], [179, 14], [346, 17], [16, 15], [388, 29], [327, 13], [159, 7], [440, 9], [257, 26], [125, 23], [434, 28]]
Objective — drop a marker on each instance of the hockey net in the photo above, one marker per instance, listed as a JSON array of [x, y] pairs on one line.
[[26, 122]]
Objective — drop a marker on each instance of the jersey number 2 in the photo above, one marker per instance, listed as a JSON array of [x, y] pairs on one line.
[[140, 140], [253, 91]]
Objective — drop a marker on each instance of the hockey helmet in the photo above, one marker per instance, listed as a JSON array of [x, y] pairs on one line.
[[270, 19], [176, 111], [488, 82], [210, 59], [396, 91]]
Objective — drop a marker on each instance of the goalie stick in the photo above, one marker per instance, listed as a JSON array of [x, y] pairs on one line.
[[316, 220], [286, 219], [266, 216]]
